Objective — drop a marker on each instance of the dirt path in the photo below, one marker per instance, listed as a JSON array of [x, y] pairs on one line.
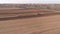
[[37, 25]]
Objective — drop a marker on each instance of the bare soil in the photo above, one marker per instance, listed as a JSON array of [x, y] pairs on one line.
[[33, 25]]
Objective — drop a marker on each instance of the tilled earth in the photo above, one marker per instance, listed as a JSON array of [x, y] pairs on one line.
[[35, 25]]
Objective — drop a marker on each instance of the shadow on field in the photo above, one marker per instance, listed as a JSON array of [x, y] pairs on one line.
[[24, 17], [19, 17]]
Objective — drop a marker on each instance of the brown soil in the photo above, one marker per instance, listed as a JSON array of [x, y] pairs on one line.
[[36, 25]]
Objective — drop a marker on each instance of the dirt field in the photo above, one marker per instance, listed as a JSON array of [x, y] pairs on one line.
[[35, 25], [21, 12], [46, 23]]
